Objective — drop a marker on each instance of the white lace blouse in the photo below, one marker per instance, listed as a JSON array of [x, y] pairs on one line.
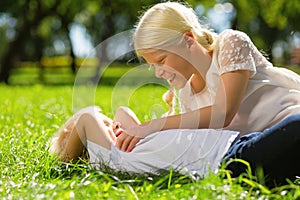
[[272, 93]]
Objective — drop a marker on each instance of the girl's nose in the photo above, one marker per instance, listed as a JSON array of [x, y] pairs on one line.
[[159, 71]]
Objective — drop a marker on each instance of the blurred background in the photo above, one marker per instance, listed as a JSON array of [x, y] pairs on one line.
[[45, 41]]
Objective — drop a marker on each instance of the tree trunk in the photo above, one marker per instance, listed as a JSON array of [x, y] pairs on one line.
[[73, 57], [103, 61], [102, 53], [9, 58], [72, 54]]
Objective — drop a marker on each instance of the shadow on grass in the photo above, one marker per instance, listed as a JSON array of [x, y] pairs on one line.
[[82, 170]]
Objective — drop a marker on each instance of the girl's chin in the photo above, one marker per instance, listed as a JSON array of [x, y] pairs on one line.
[[176, 84]]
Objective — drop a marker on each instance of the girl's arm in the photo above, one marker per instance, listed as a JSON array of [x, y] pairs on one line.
[[229, 95]]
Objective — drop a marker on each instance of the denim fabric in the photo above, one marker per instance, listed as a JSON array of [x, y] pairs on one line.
[[276, 150]]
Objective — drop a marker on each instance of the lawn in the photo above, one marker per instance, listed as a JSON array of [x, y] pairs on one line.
[[31, 114]]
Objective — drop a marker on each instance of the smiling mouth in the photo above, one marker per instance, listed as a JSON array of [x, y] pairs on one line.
[[172, 78]]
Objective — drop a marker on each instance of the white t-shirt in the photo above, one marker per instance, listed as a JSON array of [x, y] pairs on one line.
[[272, 93], [191, 152]]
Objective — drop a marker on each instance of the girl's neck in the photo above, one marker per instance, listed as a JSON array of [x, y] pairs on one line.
[[202, 59], [197, 83]]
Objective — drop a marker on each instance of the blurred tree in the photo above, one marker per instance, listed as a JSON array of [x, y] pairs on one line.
[[267, 21], [34, 22], [40, 24], [106, 18], [28, 14]]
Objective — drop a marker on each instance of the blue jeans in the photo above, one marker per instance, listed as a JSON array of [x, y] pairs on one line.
[[276, 150]]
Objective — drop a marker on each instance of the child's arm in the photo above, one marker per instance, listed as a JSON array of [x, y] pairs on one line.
[[126, 117]]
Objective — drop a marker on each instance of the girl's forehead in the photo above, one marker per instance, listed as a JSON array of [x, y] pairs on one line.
[[153, 55], [152, 51]]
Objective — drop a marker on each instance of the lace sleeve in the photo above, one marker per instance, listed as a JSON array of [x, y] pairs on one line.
[[236, 52]]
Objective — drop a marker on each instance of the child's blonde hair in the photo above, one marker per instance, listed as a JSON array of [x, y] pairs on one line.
[[59, 140], [165, 23]]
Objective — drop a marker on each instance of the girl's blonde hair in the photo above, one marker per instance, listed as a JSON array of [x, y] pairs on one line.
[[165, 23]]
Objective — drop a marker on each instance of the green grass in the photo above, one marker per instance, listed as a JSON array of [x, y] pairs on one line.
[[30, 74], [31, 114]]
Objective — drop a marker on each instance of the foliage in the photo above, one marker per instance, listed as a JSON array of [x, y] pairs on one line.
[[36, 26], [278, 14], [268, 21]]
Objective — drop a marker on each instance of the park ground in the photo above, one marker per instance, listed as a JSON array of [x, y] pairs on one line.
[[30, 115]]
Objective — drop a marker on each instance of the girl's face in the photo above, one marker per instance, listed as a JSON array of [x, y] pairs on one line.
[[170, 66]]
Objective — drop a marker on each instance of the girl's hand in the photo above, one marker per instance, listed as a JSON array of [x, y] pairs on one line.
[[129, 137], [126, 142]]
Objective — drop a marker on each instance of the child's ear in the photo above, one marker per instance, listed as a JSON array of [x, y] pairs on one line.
[[189, 38]]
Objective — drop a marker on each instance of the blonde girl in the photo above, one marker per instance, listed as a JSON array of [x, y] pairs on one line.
[[224, 81]]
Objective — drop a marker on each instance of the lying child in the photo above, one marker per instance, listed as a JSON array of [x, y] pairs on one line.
[[192, 151]]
